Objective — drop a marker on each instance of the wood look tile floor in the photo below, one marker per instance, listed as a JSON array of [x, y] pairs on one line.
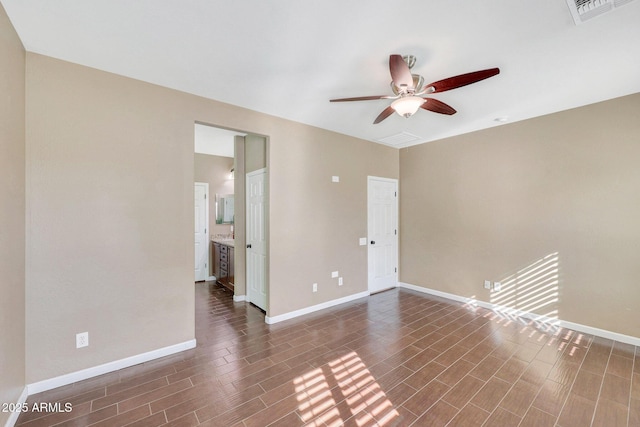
[[398, 358]]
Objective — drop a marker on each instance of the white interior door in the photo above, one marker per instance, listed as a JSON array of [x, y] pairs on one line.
[[382, 196], [201, 208], [256, 239]]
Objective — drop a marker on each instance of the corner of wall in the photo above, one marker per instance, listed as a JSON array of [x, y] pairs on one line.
[[12, 217]]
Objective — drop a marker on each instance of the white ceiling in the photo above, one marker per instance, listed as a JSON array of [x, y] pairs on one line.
[[289, 57]]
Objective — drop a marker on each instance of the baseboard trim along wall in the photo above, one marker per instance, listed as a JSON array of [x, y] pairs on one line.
[[13, 416], [239, 298], [527, 315], [313, 308], [84, 374]]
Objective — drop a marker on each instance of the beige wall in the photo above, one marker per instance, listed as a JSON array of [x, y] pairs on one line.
[[109, 197], [12, 219], [490, 204], [315, 224], [110, 207], [255, 153]]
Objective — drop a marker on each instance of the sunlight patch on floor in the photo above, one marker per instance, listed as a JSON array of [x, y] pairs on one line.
[[344, 390]]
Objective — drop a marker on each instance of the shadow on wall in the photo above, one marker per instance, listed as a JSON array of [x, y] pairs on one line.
[[533, 289]]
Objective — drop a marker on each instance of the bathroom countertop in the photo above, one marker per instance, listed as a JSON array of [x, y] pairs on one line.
[[228, 242]]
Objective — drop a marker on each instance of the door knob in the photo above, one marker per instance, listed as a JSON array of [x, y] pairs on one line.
[[249, 246], [373, 242]]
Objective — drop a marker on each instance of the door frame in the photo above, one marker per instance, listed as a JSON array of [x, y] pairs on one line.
[[395, 181], [207, 276], [265, 206]]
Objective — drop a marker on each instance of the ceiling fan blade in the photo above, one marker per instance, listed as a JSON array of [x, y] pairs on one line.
[[462, 80], [400, 72], [437, 106], [385, 113], [362, 98]]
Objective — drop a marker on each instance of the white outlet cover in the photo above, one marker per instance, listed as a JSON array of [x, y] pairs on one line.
[[363, 241], [339, 281], [315, 287], [82, 339], [487, 284], [335, 178], [497, 286], [334, 274]]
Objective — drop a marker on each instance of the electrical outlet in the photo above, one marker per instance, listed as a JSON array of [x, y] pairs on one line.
[[487, 284], [335, 178], [335, 274], [315, 287], [363, 241], [82, 339], [339, 281], [497, 286]]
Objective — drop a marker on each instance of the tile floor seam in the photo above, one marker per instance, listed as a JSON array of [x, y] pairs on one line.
[[498, 404], [566, 399], [418, 415], [531, 406], [595, 409], [463, 406], [442, 397], [507, 393], [573, 383]]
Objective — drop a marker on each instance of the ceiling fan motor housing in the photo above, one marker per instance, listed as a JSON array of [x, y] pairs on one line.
[[418, 82]]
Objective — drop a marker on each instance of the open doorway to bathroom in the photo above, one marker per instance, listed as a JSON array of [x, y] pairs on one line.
[[214, 168], [236, 253]]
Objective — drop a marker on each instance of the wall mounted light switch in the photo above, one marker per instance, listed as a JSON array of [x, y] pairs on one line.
[[334, 274], [335, 178]]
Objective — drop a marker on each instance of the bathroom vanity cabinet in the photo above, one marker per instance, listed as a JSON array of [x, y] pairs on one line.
[[223, 258]]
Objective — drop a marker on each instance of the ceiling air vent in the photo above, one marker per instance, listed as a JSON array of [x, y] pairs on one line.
[[583, 10], [400, 138]]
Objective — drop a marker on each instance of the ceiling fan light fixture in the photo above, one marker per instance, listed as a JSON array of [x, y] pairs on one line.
[[407, 105]]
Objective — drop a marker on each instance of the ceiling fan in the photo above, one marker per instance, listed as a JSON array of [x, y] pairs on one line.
[[409, 89]]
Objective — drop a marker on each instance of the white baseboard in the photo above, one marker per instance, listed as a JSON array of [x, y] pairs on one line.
[[13, 416], [239, 298], [527, 315], [211, 279], [84, 374], [307, 310]]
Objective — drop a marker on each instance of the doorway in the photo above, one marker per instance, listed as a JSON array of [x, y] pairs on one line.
[[201, 208], [382, 213], [245, 153]]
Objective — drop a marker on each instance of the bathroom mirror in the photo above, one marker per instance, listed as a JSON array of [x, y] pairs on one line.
[[224, 209]]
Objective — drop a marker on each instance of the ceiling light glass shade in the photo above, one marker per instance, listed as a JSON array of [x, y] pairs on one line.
[[408, 105]]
